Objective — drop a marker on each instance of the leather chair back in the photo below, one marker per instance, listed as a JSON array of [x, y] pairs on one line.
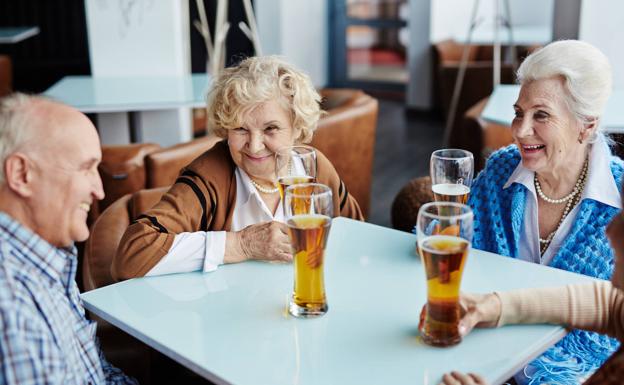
[[346, 135], [163, 166], [107, 231], [6, 75], [407, 202], [123, 170]]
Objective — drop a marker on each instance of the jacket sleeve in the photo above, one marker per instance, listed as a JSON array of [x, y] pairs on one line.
[[188, 206], [597, 306]]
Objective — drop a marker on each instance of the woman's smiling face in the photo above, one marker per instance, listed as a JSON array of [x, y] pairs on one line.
[[266, 128], [545, 130]]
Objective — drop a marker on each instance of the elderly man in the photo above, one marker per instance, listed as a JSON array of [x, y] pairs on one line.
[[49, 155]]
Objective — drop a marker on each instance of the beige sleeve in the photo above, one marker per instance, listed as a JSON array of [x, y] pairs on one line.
[[597, 306]]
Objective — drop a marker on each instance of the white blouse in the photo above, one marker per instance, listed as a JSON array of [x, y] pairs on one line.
[[203, 250], [600, 186]]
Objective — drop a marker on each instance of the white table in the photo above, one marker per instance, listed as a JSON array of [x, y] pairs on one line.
[[131, 94], [232, 326], [12, 35], [499, 108]]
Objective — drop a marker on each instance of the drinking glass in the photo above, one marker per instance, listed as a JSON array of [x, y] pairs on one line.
[[444, 231], [451, 175], [295, 164], [308, 210]]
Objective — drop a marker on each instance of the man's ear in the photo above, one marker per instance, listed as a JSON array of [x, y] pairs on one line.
[[18, 174]]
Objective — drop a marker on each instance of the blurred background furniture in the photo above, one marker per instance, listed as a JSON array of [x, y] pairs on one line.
[[478, 82], [132, 95], [407, 202], [346, 135], [6, 75], [122, 350]]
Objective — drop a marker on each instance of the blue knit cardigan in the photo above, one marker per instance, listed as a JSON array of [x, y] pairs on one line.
[[498, 222]]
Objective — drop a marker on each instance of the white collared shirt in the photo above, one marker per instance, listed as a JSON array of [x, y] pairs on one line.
[[600, 186], [203, 250]]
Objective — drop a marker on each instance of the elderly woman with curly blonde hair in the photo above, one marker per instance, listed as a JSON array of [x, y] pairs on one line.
[[224, 206]]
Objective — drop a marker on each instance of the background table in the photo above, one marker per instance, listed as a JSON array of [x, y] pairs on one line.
[[232, 326], [12, 35], [131, 94], [499, 108]]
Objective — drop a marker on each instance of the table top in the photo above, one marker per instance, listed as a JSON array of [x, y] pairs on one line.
[[12, 35], [232, 326], [499, 108], [125, 94], [522, 35]]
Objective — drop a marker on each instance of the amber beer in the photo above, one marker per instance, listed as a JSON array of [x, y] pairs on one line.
[[286, 181], [451, 192], [308, 237], [444, 258]]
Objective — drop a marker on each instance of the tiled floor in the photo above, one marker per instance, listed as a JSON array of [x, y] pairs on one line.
[[403, 146]]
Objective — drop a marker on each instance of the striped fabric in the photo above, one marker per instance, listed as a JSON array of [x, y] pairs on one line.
[[44, 335]]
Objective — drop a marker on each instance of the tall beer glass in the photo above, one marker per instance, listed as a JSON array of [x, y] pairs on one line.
[[451, 175], [308, 210], [444, 232], [295, 164]]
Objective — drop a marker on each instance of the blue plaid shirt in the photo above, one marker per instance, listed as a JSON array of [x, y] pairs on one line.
[[44, 335]]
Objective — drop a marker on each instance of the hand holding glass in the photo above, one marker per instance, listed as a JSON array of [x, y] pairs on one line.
[[451, 175], [444, 231], [308, 210], [296, 164]]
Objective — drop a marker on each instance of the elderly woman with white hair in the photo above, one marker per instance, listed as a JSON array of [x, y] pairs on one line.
[[225, 206], [548, 198]]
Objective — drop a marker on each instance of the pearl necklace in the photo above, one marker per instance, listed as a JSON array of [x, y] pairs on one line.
[[263, 189], [577, 188], [573, 199]]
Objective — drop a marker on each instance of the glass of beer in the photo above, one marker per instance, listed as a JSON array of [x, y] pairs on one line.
[[308, 210], [451, 175], [443, 244], [295, 164]]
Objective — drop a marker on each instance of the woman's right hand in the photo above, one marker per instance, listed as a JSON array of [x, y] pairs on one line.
[[456, 378], [480, 310], [262, 241]]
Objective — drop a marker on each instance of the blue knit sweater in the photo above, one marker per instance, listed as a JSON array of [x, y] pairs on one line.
[[498, 222]]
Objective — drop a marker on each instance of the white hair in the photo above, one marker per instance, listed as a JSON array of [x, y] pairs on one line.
[[586, 72], [14, 127]]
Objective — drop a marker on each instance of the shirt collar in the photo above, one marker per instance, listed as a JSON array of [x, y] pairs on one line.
[[58, 264], [600, 185]]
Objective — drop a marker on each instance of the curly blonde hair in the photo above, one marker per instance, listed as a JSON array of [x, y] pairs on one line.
[[259, 79]]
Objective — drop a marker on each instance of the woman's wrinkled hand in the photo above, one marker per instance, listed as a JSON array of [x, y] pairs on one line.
[[480, 310], [456, 378], [267, 241]]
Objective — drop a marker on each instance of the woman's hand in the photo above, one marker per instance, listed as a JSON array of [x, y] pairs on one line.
[[480, 310], [456, 378], [267, 241]]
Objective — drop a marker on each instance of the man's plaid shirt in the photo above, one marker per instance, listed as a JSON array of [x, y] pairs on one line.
[[44, 335]]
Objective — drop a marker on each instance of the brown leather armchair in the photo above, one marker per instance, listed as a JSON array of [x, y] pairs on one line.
[[163, 166], [123, 351], [123, 170], [6, 75], [346, 135]]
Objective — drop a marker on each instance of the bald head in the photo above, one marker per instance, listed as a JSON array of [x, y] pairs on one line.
[[35, 124], [49, 154]]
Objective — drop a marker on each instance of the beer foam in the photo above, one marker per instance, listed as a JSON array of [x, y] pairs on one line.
[[450, 189], [451, 244]]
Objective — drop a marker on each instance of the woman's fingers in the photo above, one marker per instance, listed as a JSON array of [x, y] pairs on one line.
[[457, 378]]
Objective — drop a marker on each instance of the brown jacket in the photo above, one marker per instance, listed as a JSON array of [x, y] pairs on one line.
[[202, 199]]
